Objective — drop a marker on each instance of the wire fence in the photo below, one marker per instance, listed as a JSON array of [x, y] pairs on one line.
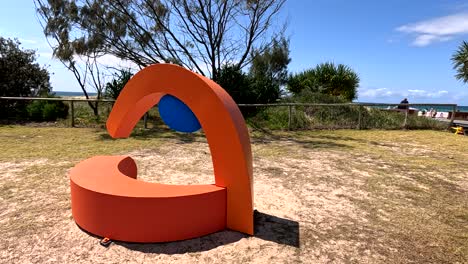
[[285, 116], [353, 116]]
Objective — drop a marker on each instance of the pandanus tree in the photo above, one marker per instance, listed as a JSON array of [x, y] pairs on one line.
[[327, 78], [460, 62]]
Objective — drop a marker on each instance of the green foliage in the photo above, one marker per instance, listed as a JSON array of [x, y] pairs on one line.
[[272, 62], [375, 118], [240, 87], [20, 75], [84, 116], [114, 87], [269, 71], [327, 78], [343, 116], [304, 81], [460, 62], [237, 84], [277, 118], [262, 84], [337, 117], [47, 110], [53, 111], [308, 97], [35, 110]]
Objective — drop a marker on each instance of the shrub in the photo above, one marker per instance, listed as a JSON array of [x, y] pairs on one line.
[[47, 110], [278, 118], [114, 87], [333, 116], [327, 78]]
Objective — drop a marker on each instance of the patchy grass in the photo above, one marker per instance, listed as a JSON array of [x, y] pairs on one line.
[[322, 196], [59, 144]]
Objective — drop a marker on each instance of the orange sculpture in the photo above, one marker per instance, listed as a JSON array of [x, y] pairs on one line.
[[108, 200]]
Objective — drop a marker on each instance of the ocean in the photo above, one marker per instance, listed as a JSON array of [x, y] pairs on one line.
[[62, 93], [463, 108]]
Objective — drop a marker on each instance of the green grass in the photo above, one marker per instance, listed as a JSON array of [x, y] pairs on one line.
[[62, 143]]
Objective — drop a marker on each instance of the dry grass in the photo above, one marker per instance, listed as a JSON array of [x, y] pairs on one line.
[[322, 196]]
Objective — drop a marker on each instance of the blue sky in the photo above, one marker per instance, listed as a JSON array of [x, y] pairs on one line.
[[399, 48]]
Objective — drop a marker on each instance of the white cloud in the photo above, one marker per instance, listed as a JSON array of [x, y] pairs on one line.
[[461, 96], [115, 62], [28, 41], [438, 29], [111, 62], [426, 39], [426, 94], [376, 93]]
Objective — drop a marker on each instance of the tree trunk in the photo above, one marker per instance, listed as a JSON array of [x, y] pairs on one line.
[[95, 108]]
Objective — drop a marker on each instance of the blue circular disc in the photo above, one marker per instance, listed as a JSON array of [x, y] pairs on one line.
[[177, 115]]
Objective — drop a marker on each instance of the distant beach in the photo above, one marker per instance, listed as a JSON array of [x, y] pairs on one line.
[[71, 94]]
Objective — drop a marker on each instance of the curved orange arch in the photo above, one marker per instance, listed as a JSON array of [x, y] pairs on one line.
[[228, 140]]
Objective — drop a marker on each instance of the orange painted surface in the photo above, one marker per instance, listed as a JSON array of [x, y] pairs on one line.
[[107, 200]]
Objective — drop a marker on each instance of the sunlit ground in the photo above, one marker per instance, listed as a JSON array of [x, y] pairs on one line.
[[321, 196]]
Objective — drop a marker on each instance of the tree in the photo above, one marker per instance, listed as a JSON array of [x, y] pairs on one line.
[[327, 78], [460, 62], [114, 87], [272, 62], [262, 83], [81, 60], [303, 81], [201, 35], [236, 83], [20, 75], [269, 71]]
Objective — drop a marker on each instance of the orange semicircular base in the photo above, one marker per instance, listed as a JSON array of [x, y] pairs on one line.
[[108, 200]]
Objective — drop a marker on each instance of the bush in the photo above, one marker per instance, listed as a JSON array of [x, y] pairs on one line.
[[278, 118], [35, 110], [327, 78], [245, 89], [47, 110], [334, 116], [114, 87]]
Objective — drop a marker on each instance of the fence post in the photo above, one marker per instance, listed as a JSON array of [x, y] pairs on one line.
[[289, 117], [145, 120], [454, 110], [406, 117], [72, 108], [360, 118]]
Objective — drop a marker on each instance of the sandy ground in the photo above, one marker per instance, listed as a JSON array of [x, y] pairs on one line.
[[307, 212]]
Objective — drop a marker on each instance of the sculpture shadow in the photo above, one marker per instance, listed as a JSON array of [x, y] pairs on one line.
[[159, 133], [308, 142], [267, 227]]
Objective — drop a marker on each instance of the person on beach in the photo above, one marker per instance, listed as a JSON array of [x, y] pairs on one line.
[[402, 104]]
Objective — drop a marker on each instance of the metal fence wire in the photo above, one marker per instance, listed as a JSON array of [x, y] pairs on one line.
[[349, 116], [288, 116]]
